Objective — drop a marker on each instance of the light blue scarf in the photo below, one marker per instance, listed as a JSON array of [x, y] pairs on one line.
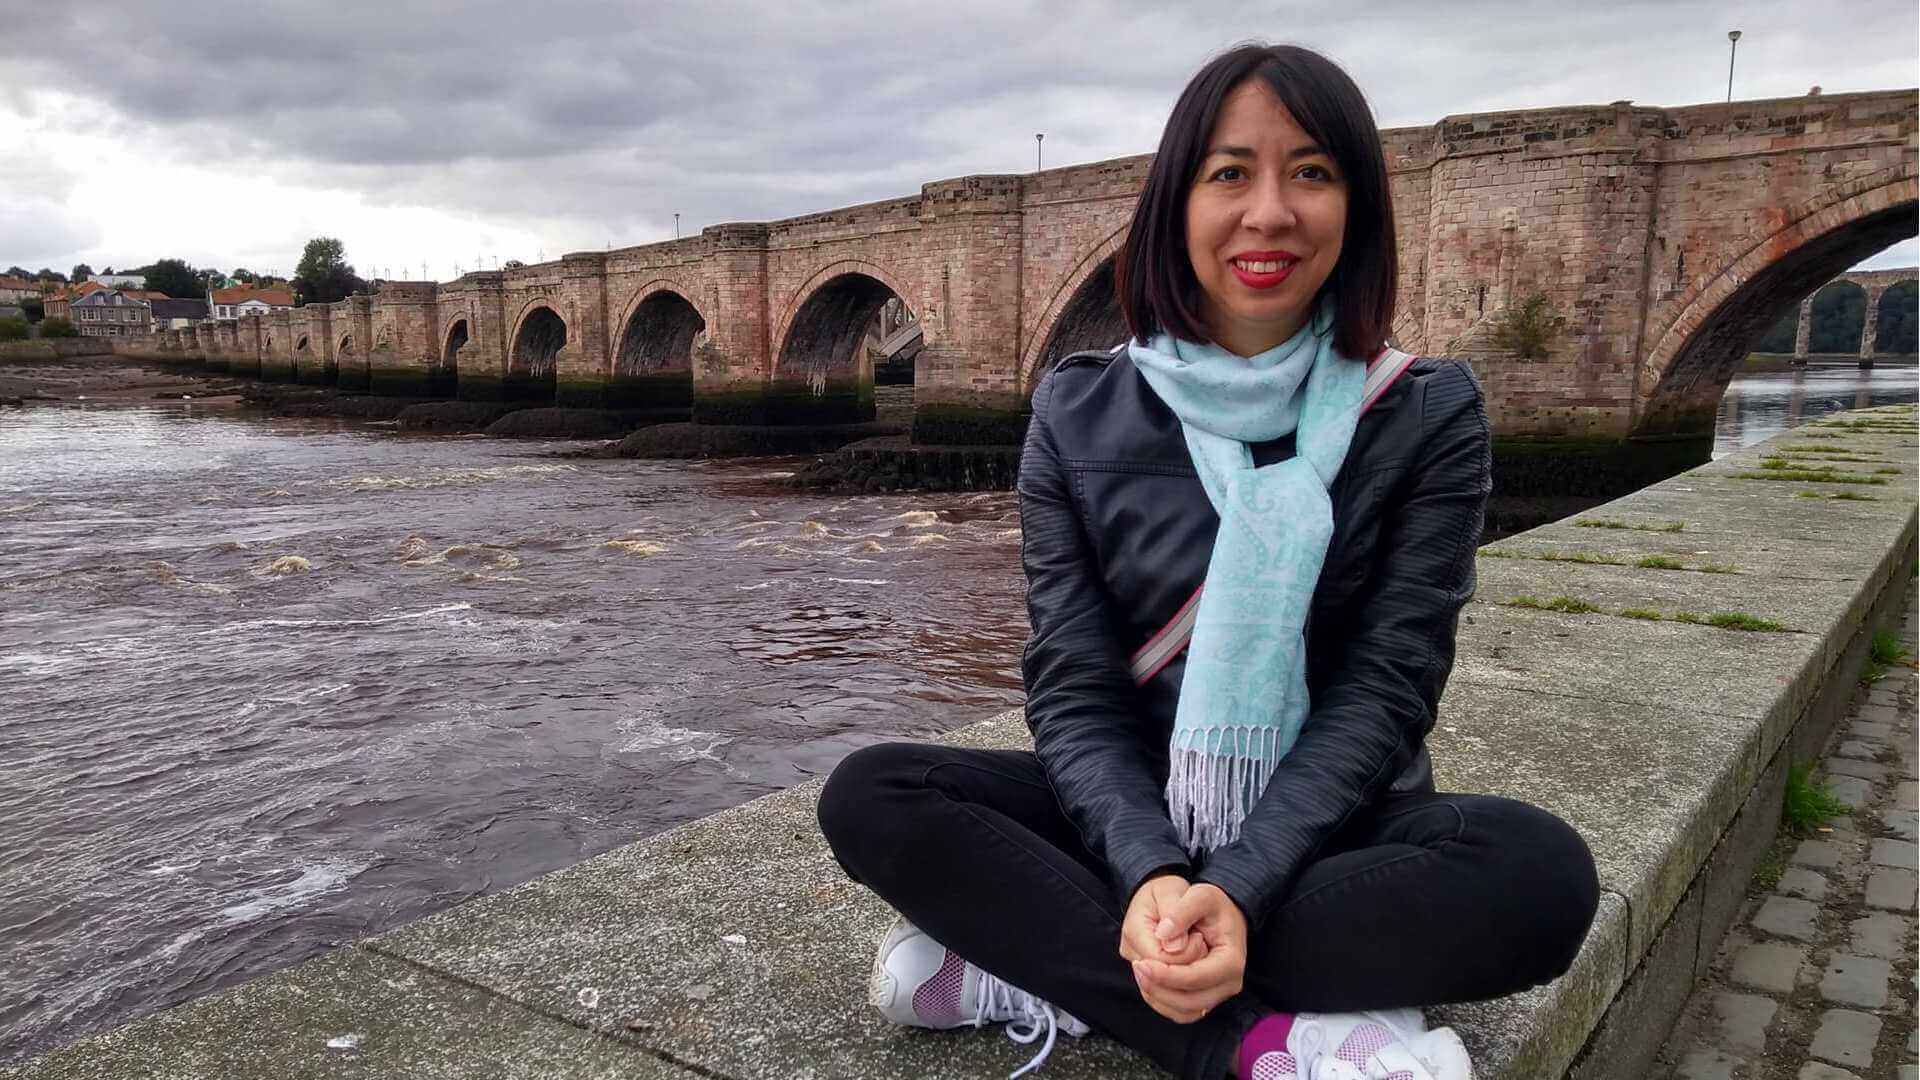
[[1243, 698]]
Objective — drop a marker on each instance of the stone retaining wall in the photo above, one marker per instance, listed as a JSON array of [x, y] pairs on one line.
[[1591, 679]]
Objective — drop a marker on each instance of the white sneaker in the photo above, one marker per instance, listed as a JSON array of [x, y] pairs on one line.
[[918, 982], [1382, 1045]]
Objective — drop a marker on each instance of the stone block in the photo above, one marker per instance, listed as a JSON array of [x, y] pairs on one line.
[[1785, 917], [1851, 791], [1880, 935], [1804, 883], [1857, 749], [1894, 853], [1820, 1070], [1655, 992], [1743, 1020], [1871, 731], [1856, 980], [1844, 1037], [1768, 967], [1891, 889], [1899, 822], [1706, 1063], [1905, 795], [1871, 771], [353, 1013], [1821, 854]]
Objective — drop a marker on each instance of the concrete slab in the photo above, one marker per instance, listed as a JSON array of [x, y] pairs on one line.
[[1650, 788], [350, 1013], [739, 937]]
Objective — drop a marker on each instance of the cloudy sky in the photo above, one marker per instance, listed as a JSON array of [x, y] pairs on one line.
[[442, 133]]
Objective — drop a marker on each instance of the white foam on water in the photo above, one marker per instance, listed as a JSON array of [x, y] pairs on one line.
[[927, 538], [756, 587], [648, 733], [447, 477], [642, 548], [917, 519], [349, 1041], [313, 881], [252, 624], [859, 581]]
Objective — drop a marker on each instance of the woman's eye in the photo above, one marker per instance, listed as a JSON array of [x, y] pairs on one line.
[[1221, 173], [1321, 172]]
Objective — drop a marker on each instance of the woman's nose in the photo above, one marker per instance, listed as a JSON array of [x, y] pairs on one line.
[[1269, 209]]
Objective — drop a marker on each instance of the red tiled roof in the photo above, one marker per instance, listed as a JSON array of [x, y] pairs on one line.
[[276, 296]]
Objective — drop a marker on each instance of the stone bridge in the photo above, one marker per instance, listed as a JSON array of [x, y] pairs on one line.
[[1875, 284], [1668, 239]]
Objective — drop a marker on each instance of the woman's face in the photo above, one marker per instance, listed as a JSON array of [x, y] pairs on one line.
[[1265, 218]]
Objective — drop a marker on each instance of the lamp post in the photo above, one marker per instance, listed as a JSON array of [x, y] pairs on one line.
[[676, 226], [1037, 136], [1733, 45]]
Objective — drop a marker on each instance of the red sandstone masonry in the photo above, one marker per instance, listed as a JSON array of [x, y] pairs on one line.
[[1665, 237]]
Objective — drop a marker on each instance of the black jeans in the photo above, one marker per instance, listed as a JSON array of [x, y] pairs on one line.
[[1430, 899]]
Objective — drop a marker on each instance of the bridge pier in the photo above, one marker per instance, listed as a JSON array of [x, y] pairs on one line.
[[405, 340], [276, 348], [1870, 330], [1803, 331]]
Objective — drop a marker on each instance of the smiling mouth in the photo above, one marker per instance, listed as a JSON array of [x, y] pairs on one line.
[[1263, 274], [1263, 266]]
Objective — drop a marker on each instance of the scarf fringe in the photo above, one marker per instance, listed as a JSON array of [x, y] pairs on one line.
[[1214, 778]]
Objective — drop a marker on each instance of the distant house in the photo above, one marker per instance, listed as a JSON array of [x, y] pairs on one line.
[[58, 304], [15, 289], [170, 314], [244, 301], [111, 313]]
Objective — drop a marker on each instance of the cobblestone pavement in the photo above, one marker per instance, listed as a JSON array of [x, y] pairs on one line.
[[1815, 980]]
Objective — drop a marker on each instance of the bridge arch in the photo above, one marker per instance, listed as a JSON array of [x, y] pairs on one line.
[[652, 359], [443, 378], [1690, 364], [1892, 334], [821, 335], [533, 364], [1084, 313]]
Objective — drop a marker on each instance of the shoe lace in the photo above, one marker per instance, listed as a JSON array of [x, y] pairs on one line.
[[1027, 1018]]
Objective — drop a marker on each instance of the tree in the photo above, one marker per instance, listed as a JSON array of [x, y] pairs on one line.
[[19, 272], [243, 275], [512, 264], [81, 272], [107, 271], [175, 278], [47, 274], [13, 329], [58, 327], [324, 274]]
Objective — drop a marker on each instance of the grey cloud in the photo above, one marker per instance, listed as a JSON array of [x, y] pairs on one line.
[[596, 119]]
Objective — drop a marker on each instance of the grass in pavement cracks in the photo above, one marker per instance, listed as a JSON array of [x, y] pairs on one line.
[[1808, 803]]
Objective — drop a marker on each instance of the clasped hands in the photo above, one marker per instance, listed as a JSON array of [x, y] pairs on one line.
[[1187, 944]]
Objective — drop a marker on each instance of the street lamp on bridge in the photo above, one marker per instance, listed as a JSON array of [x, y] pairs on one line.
[[1037, 136], [1733, 39]]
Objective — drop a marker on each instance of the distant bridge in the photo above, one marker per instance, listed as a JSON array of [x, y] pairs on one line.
[[1875, 283], [1668, 238]]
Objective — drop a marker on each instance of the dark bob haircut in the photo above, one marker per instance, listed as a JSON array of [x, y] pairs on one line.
[[1153, 276]]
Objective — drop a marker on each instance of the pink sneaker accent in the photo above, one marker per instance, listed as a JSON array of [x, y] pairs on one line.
[[937, 1001], [1263, 1049]]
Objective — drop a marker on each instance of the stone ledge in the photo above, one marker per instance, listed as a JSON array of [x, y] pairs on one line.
[[733, 946]]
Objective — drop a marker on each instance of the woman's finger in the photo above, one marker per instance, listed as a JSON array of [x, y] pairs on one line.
[[1218, 968]]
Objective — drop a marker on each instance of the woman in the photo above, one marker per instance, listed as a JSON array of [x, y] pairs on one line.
[[1222, 862]]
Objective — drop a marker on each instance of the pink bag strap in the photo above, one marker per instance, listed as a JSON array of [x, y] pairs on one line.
[[1168, 642]]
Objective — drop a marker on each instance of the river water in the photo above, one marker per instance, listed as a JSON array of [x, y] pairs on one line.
[[265, 685], [270, 685]]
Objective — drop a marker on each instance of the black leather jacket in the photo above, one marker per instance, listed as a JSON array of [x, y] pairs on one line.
[[1117, 531]]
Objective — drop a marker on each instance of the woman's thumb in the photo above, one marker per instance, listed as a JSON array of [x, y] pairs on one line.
[[1178, 918]]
